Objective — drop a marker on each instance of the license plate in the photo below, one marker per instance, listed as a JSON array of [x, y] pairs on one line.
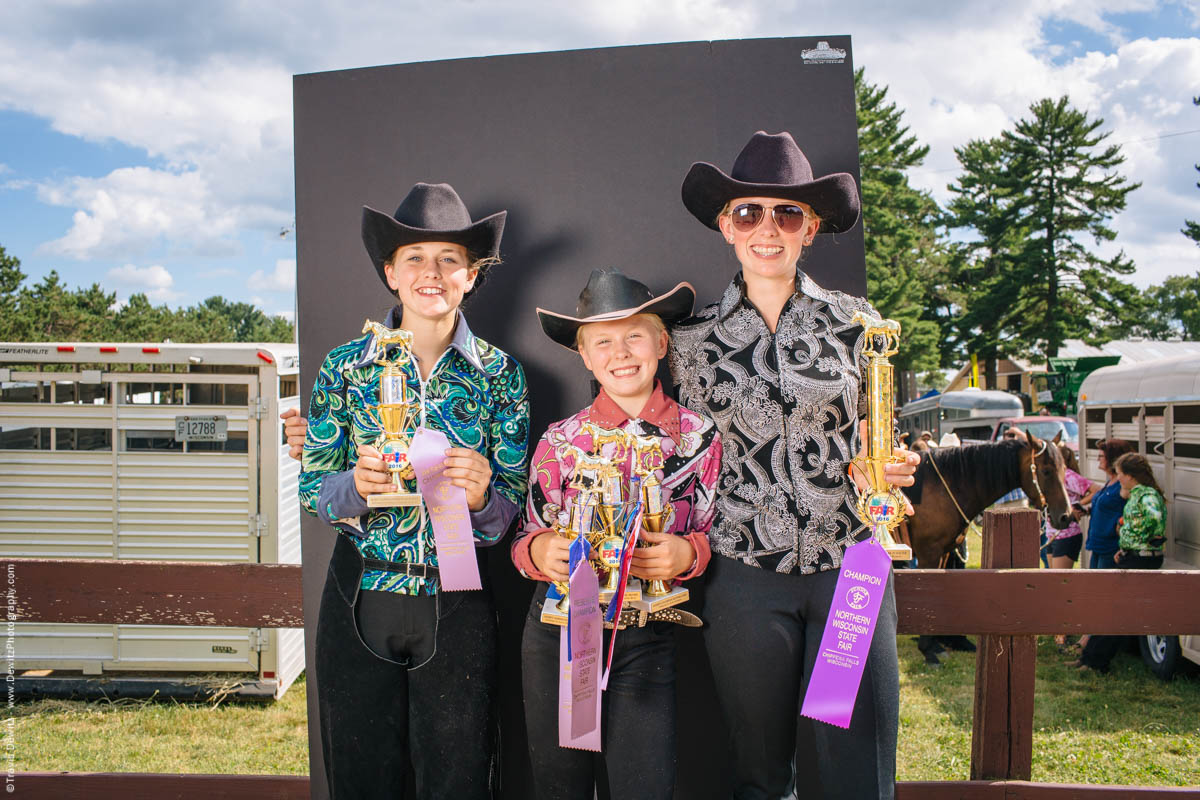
[[201, 429]]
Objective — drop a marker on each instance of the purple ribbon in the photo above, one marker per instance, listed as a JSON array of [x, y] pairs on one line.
[[849, 627], [579, 672], [453, 537]]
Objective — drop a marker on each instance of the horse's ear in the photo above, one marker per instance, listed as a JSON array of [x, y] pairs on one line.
[[1058, 436], [1033, 441]]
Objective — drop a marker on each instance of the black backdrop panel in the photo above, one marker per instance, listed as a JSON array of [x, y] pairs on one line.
[[587, 150]]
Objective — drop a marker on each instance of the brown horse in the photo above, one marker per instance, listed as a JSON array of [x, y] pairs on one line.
[[978, 475]]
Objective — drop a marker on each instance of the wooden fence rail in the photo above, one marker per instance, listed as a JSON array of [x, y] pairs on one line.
[[1008, 603]]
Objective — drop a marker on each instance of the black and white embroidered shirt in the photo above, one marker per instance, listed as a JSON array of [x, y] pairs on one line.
[[787, 406]]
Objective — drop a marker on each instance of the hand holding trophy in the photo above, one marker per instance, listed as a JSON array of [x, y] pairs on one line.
[[393, 415]]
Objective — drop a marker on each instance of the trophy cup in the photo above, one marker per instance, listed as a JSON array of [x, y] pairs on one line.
[[393, 415], [609, 546], [569, 524], [657, 517], [881, 505]]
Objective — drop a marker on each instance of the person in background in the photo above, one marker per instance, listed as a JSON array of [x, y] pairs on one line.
[[1141, 536], [1063, 546], [1105, 507]]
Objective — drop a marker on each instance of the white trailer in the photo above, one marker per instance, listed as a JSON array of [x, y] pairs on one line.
[[167, 452], [1155, 406]]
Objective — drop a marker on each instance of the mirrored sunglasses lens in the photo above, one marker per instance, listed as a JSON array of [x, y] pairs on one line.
[[789, 218], [746, 216]]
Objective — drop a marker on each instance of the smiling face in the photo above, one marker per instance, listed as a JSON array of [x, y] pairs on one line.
[[623, 355], [430, 278], [766, 251]]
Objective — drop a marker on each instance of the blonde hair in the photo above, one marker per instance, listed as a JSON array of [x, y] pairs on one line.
[[654, 319]]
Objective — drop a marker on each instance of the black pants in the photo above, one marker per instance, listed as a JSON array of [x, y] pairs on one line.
[[763, 630], [404, 684], [637, 715], [1099, 651]]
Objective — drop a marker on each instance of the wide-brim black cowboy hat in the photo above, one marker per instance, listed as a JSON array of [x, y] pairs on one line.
[[611, 295], [431, 212], [772, 165]]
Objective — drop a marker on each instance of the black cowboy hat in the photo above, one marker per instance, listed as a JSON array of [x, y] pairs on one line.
[[772, 165], [611, 295], [431, 212]]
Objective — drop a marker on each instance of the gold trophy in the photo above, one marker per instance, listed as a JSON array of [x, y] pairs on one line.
[[393, 414], [881, 506], [657, 517], [609, 546]]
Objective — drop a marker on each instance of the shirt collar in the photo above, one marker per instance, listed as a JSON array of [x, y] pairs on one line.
[[735, 293], [463, 340], [659, 410]]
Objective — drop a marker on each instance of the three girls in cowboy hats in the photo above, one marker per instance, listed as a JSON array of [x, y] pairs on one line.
[[770, 375]]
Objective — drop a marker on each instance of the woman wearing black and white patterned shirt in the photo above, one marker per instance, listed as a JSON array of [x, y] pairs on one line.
[[778, 363]]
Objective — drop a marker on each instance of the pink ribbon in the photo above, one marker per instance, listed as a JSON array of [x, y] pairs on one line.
[[453, 537], [579, 678]]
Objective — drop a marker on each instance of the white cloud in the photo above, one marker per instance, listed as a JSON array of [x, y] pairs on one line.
[[289, 315], [154, 281], [205, 90], [281, 279]]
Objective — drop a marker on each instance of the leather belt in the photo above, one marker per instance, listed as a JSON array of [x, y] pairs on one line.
[[637, 618], [419, 570]]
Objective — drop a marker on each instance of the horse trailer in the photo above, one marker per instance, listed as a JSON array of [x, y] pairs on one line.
[[170, 452], [971, 414], [1155, 406]]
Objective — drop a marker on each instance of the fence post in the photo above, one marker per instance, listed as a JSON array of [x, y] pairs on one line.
[[1002, 731]]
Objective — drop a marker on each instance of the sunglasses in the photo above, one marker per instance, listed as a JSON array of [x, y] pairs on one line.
[[788, 218]]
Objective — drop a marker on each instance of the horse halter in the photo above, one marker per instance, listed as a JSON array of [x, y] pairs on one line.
[[1041, 502]]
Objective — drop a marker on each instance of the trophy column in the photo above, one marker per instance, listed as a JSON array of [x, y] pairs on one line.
[[394, 414], [881, 505]]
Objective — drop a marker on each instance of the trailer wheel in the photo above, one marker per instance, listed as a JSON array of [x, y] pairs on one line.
[[1161, 654]]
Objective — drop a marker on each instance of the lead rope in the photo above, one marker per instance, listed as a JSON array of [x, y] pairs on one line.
[[970, 524]]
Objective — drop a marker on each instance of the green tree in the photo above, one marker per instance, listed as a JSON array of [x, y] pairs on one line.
[[982, 268], [1064, 185], [11, 277], [1191, 229], [51, 311], [1173, 308], [904, 256]]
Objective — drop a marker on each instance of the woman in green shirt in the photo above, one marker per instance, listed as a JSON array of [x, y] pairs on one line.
[[1143, 527], [1142, 532]]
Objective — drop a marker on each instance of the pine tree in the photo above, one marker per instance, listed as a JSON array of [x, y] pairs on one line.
[[903, 253], [1064, 184], [1191, 229]]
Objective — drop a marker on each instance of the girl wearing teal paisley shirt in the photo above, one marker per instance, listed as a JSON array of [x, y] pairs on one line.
[[406, 675]]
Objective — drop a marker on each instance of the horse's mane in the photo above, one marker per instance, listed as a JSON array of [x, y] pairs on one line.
[[988, 463]]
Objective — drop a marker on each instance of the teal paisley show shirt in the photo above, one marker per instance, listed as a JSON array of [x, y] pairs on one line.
[[476, 395]]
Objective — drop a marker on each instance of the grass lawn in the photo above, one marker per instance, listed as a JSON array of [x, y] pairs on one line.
[[1123, 728]]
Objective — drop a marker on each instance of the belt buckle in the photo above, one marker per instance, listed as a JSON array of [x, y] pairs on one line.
[[411, 570]]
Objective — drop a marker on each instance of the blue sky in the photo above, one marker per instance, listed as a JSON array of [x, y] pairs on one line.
[[147, 146]]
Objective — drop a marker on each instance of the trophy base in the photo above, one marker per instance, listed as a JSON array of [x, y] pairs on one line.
[[633, 592], [551, 613], [657, 602], [393, 499]]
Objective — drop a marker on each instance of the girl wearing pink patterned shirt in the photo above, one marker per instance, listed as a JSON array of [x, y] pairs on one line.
[[619, 332]]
